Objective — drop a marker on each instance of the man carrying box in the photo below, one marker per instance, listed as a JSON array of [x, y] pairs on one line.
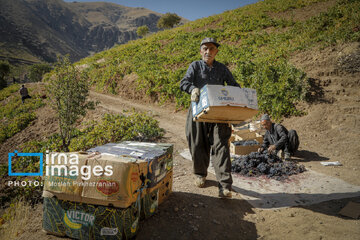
[[205, 138], [278, 139]]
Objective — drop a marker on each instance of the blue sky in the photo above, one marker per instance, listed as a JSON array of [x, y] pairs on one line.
[[189, 9]]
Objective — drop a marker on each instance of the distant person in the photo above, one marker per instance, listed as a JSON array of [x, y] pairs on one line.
[[14, 80], [208, 138], [278, 139], [24, 93]]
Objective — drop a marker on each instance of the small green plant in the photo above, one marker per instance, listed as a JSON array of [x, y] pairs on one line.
[[6, 92], [142, 31], [68, 90], [132, 125], [37, 71], [14, 115]]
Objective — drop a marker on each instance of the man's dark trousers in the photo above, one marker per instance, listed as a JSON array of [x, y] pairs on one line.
[[210, 138]]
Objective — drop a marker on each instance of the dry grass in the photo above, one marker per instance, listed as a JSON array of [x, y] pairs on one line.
[[14, 220]]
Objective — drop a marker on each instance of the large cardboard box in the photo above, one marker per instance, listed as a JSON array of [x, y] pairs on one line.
[[94, 183], [86, 221], [157, 155], [225, 104], [248, 136], [155, 196], [120, 189], [164, 187], [243, 150]]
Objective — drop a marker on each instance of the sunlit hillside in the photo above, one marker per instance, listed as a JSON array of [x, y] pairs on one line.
[[256, 42]]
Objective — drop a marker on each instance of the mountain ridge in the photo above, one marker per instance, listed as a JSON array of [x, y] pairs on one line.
[[39, 30]]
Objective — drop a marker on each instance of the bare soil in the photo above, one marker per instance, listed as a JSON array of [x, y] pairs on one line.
[[302, 14], [329, 131]]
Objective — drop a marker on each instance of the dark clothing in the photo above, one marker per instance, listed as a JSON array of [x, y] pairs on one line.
[[24, 97], [293, 141], [199, 74], [205, 139], [210, 138], [24, 94], [280, 136]]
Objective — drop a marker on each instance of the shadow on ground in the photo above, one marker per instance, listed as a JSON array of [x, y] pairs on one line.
[[332, 207], [307, 156], [316, 92], [302, 200], [194, 216]]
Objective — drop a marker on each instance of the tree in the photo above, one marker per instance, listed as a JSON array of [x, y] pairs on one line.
[[4, 71], [68, 90], [142, 31], [168, 20], [37, 71]]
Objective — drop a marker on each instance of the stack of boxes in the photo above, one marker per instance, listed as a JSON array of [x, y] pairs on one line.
[[242, 135], [229, 104], [116, 185]]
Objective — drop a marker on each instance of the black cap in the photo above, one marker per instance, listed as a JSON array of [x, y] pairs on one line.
[[209, 40]]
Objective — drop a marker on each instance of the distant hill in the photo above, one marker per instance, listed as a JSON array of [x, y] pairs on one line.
[[39, 30]]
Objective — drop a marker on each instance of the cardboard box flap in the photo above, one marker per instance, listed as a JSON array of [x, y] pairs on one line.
[[140, 150]]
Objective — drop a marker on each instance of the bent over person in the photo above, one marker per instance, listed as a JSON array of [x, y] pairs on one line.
[[278, 139], [205, 139]]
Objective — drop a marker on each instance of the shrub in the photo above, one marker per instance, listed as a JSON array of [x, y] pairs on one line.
[[68, 90], [142, 31], [168, 20], [37, 71]]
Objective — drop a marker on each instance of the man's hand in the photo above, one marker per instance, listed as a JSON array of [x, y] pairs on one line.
[[271, 148], [260, 150], [195, 93]]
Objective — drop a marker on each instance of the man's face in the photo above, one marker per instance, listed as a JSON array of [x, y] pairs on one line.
[[266, 124], [208, 52]]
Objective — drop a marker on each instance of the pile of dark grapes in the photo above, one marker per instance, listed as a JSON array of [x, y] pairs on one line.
[[256, 164], [246, 143]]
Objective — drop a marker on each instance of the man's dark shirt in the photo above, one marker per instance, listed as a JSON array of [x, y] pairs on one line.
[[24, 92], [199, 74], [278, 136]]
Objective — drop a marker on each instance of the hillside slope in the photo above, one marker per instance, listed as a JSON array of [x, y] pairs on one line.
[[256, 42], [38, 30]]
